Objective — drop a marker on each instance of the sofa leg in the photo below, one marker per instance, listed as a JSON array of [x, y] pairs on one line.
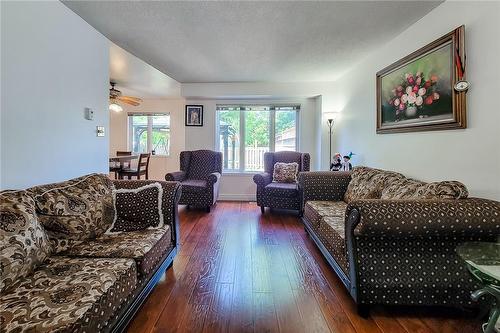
[[363, 310], [262, 209], [207, 209]]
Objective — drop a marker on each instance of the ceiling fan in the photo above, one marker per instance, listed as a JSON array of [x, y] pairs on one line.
[[115, 97]]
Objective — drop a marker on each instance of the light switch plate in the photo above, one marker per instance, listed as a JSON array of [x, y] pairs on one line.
[[100, 130]]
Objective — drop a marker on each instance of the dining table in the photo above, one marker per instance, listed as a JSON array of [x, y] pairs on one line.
[[121, 159]]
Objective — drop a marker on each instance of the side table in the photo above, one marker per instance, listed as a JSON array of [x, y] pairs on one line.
[[483, 261]]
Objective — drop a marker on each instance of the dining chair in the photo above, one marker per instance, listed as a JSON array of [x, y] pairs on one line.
[[142, 168]]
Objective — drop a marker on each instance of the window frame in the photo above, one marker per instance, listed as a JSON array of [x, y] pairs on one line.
[[149, 141], [272, 130]]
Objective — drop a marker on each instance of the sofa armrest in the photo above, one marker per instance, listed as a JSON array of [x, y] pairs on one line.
[[171, 197], [262, 179], [460, 219], [178, 176], [324, 185], [213, 178]]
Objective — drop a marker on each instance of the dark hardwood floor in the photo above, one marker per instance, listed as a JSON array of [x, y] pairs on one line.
[[240, 271]]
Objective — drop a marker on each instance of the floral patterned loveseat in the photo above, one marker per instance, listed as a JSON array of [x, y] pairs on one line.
[[61, 271], [392, 239]]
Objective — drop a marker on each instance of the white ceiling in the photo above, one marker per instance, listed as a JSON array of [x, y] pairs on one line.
[[251, 41], [137, 78]]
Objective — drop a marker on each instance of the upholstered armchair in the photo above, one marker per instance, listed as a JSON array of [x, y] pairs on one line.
[[280, 195], [199, 177]]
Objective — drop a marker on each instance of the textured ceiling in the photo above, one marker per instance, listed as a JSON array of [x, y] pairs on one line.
[[251, 41]]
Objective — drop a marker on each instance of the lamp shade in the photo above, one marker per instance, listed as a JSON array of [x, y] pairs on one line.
[[115, 107], [330, 116]]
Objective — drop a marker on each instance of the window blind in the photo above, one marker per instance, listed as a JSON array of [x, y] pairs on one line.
[[131, 114], [285, 107]]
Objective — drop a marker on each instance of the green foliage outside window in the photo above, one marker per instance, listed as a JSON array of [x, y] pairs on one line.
[[257, 124]]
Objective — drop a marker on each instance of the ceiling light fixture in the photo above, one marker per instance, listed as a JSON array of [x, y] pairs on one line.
[[113, 106]]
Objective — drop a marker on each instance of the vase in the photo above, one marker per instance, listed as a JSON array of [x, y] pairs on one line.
[[411, 111]]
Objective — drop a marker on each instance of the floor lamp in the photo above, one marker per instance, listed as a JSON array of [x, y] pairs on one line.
[[330, 126]]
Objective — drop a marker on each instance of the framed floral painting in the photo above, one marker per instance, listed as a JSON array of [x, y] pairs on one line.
[[417, 92]]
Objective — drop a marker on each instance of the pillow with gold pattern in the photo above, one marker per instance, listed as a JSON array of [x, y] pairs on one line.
[[285, 172], [415, 189], [74, 210], [23, 242]]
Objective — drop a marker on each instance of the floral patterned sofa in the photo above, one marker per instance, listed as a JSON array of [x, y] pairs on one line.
[[61, 271], [392, 239]]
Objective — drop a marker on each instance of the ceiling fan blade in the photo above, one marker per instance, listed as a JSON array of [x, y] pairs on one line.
[[130, 102], [132, 98]]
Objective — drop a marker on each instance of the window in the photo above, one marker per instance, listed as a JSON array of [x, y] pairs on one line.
[[246, 132], [149, 132]]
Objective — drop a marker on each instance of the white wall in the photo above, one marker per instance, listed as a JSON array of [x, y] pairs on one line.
[[241, 186], [472, 155], [158, 165], [53, 66]]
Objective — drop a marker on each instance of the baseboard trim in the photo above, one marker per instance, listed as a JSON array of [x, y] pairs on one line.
[[237, 197]]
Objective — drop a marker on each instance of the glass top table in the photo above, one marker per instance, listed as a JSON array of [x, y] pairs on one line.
[[483, 261]]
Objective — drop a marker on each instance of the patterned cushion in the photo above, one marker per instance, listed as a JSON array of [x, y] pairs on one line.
[[285, 172], [331, 232], [414, 189], [68, 295], [194, 185], [170, 190], [328, 208], [76, 209], [286, 190], [337, 223], [314, 211], [368, 183], [23, 241], [137, 209], [328, 220], [146, 247]]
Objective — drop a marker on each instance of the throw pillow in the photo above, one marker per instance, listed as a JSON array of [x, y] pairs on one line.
[[285, 172], [75, 210], [368, 183], [23, 242], [414, 189], [137, 209]]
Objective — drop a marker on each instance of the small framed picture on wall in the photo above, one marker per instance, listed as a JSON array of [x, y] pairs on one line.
[[194, 115]]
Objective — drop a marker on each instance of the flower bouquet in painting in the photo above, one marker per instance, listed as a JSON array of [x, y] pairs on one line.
[[413, 94]]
